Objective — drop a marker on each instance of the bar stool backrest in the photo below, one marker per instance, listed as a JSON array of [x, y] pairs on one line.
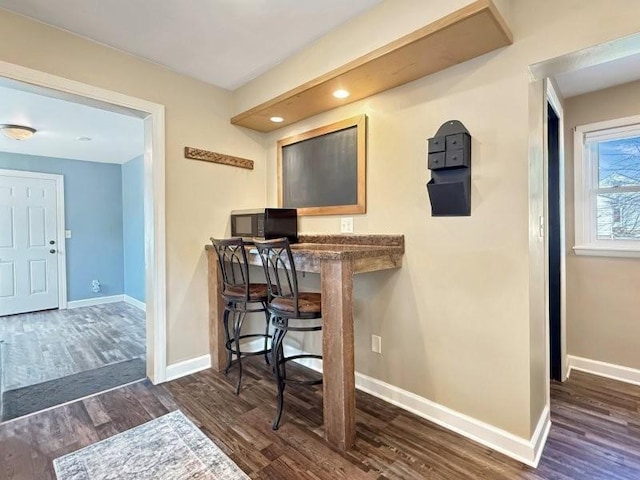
[[232, 259], [279, 270]]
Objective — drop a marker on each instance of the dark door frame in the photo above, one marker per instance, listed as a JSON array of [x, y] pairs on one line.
[[555, 233]]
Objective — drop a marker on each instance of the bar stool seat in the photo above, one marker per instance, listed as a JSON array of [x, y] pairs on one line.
[[308, 302], [258, 292]]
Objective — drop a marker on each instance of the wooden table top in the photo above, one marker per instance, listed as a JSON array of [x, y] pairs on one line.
[[368, 252]]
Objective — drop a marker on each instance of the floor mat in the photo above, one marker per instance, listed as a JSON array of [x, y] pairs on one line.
[[22, 401]]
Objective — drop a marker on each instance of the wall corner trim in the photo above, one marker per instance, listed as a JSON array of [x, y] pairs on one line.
[[88, 302], [603, 369], [134, 302], [540, 436], [187, 367]]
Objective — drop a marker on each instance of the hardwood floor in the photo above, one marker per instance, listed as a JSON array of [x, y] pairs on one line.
[[43, 346], [595, 433]]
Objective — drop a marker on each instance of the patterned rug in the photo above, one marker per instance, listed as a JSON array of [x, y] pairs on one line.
[[167, 448]]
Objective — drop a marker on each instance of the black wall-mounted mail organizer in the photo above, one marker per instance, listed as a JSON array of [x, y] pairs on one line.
[[450, 164]]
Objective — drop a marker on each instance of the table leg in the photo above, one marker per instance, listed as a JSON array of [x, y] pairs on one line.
[[216, 311], [338, 356]]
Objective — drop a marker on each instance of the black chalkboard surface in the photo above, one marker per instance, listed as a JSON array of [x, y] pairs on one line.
[[322, 171]]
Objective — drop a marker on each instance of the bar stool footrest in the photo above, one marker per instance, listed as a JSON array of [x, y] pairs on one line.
[[284, 360], [228, 345]]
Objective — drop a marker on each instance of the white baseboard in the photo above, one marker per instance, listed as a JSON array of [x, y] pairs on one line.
[[540, 436], [523, 450], [188, 367], [88, 302], [602, 369], [195, 365], [134, 302], [527, 451]]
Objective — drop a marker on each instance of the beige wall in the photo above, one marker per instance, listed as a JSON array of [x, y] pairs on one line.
[[199, 195], [456, 322], [603, 305]]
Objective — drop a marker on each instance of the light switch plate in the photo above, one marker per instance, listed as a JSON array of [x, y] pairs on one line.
[[67, 234], [346, 225], [376, 344]]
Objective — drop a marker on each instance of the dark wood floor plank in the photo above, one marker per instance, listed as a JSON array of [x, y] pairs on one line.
[[150, 402], [96, 411], [595, 433], [81, 424]]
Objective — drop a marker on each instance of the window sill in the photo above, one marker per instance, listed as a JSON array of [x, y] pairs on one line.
[[594, 251]]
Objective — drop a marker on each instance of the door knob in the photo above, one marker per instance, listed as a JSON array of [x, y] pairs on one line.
[[52, 242], [52, 251]]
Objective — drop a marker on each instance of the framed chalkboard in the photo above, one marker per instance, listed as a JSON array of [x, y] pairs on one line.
[[323, 171]]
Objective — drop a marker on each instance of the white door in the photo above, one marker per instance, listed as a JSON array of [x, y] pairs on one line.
[[28, 243]]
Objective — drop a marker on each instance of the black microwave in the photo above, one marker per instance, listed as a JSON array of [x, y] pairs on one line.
[[267, 223]]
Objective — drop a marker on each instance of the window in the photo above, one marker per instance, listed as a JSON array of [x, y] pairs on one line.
[[607, 188]]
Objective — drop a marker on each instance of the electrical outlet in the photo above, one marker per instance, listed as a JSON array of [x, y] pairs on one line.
[[346, 225], [376, 344], [67, 234]]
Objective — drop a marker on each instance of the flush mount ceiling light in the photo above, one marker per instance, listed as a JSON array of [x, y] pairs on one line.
[[84, 139], [341, 93], [17, 132], [277, 119]]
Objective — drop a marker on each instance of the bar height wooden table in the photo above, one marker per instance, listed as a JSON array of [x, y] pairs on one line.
[[336, 258]]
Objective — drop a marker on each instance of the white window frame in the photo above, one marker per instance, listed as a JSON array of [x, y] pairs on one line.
[[585, 173]]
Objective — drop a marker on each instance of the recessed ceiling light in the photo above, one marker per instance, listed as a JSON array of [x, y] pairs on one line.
[[17, 132], [341, 93], [277, 119], [85, 139]]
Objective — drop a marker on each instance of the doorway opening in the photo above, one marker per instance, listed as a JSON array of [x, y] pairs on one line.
[[554, 242], [589, 306], [126, 200]]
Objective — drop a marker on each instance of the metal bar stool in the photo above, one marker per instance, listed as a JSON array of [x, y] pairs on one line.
[[238, 293], [285, 304]]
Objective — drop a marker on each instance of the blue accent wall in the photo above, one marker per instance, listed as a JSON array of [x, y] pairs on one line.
[[133, 227], [93, 212]]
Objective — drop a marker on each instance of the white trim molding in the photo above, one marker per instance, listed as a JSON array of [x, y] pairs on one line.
[[540, 435], [134, 302], [603, 369], [606, 252], [89, 302], [527, 451], [154, 192], [188, 367]]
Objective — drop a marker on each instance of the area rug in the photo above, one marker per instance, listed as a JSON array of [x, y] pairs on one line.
[[26, 400], [167, 448]]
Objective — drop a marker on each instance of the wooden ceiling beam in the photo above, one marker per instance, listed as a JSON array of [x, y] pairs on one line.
[[460, 36]]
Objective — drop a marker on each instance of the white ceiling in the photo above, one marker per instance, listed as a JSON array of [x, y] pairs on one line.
[[597, 77], [223, 42], [116, 138]]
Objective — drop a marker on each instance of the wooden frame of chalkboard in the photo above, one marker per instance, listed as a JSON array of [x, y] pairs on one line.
[[323, 171]]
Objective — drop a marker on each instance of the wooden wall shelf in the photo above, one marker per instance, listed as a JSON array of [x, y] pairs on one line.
[[460, 36]]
